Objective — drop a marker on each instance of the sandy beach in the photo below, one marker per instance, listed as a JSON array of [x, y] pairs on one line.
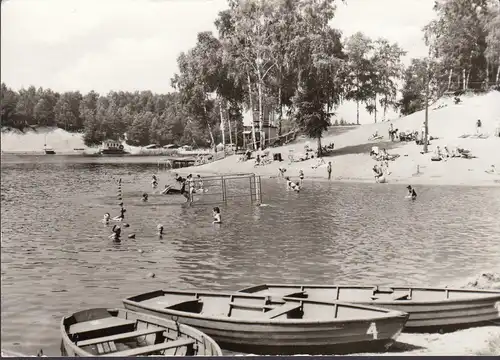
[[351, 160]]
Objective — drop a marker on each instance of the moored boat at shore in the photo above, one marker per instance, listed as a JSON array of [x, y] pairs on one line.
[[430, 309], [120, 332], [256, 324]]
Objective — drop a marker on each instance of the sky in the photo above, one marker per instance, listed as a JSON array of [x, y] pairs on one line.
[[130, 45]]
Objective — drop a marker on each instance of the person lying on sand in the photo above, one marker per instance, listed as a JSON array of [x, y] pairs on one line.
[[320, 162], [492, 170]]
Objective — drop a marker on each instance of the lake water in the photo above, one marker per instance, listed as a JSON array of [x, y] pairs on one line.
[[57, 259]]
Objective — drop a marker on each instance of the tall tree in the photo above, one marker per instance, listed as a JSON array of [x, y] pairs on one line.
[[358, 47]]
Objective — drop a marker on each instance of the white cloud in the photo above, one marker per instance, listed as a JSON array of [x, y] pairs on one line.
[[134, 44]]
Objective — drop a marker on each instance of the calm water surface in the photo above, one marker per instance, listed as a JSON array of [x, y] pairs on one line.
[[56, 258]]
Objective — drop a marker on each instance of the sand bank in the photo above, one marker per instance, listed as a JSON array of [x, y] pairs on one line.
[[33, 141], [351, 160]]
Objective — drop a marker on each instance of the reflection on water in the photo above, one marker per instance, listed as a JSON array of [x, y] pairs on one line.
[[56, 258]]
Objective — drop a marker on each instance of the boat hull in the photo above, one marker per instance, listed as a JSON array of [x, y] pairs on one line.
[[288, 336], [293, 339], [204, 345], [432, 315]]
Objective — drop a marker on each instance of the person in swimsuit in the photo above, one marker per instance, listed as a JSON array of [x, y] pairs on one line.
[[329, 169], [116, 233], [144, 197], [192, 189], [179, 178], [106, 218], [281, 172], [216, 215], [379, 174], [160, 230], [412, 194], [184, 192], [121, 216], [154, 182], [301, 177], [200, 182], [290, 185]]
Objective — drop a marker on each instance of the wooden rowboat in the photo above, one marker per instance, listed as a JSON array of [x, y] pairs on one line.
[[119, 332], [255, 324], [430, 309]]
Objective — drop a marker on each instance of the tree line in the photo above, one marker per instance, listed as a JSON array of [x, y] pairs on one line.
[[281, 56]]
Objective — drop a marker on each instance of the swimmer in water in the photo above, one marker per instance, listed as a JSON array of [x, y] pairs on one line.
[[216, 215], [154, 182], [145, 197], [121, 216], [117, 231], [411, 193], [290, 185], [106, 218], [160, 230]]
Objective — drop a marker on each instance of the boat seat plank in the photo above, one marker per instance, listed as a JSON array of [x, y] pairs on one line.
[[153, 348], [250, 306], [183, 302], [99, 324], [123, 336], [281, 310], [165, 303]]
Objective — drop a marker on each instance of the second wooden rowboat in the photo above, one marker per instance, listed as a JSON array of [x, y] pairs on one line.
[[120, 332], [256, 324], [430, 309]]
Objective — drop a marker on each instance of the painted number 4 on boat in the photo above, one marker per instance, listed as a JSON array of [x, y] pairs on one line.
[[372, 330]]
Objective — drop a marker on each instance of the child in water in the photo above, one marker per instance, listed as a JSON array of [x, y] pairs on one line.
[[160, 230], [411, 193], [106, 219], [154, 182], [290, 185], [116, 233], [145, 197], [216, 215], [121, 216]]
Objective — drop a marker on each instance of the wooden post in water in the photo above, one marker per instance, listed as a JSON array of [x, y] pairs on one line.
[[258, 191], [250, 187]]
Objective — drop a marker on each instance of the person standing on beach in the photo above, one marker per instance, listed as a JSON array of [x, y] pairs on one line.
[[329, 169], [478, 126], [301, 178]]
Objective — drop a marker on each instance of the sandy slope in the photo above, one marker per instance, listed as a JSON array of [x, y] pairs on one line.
[[351, 160]]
